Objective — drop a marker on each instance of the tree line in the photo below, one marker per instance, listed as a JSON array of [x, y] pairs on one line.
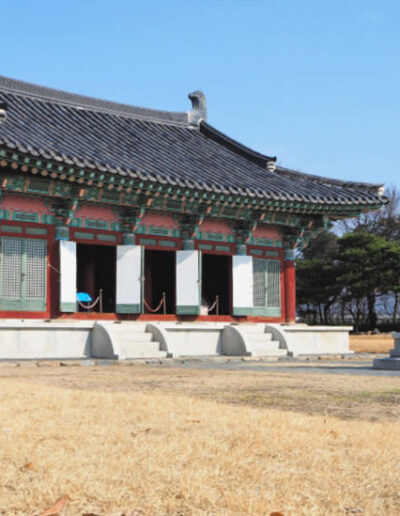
[[350, 274]]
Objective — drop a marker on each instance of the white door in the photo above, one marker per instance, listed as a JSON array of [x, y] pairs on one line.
[[67, 276], [188, 277], [242, 279], [129, 279]]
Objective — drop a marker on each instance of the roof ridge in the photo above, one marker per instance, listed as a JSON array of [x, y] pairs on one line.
[[235, 146], [18, 87]]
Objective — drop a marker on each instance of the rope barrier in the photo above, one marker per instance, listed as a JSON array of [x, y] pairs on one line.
[[89, 307], [211, 308], [215, 304], [161, 303]]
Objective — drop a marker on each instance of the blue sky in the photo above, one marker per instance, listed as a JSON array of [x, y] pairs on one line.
[[316, 83]]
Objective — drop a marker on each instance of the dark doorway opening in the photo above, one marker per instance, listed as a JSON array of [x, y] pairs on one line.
[[159, 274], [96, 266], [216, 280]]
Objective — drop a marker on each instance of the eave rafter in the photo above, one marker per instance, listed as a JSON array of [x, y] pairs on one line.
[[125, 191]]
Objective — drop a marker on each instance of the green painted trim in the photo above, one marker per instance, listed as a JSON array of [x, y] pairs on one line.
[[268, 242], [68, 307], [106, 238], [188, 310], [48, 219], [75, 223], [84, 236], [4, 214], [128, 308], [36, 231], [206, 247], [273, 253], [224, 248], [11, 229], [157, 231], [242, 311], [167, 243], [289, 255], [217, 237], [116, 226], [95, 224], [266, 311], [22, 305], [258, 252], [24, 216], [39, 185], [148, 241], [110, 195]]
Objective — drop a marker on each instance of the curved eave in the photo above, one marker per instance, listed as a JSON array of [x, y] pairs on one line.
[[207, 193]]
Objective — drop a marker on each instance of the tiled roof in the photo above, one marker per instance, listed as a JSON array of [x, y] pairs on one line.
[[153, 145]]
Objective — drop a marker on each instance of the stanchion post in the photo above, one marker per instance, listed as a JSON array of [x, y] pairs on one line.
[[217, 305], [101, 300], [164, 302]]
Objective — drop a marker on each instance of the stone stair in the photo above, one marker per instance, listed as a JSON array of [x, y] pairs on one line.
[[259, 343], [127, 340], [251, 340]]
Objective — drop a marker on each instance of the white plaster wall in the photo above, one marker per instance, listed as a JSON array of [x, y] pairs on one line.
[[44, 342], [318, 340]]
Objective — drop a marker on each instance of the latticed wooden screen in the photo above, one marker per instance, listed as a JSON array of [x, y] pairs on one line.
[[23, 274], [266, 287], [259, 282]]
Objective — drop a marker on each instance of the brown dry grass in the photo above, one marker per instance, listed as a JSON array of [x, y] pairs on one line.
[[371, 343], [123, 439]]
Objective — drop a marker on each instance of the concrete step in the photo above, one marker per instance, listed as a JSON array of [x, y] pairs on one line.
[[145, 354], [268, 345], [128, 327], [255, 337], [135, 337], [253, 328], [268, 353], [136, 347]]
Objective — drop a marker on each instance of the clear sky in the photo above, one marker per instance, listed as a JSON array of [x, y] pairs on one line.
[[316, 83]]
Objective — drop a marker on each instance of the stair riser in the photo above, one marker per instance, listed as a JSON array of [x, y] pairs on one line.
[[159, 354], [139, 347], [140, 337]]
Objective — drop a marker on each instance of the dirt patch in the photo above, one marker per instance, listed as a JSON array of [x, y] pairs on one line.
[[382, 343]]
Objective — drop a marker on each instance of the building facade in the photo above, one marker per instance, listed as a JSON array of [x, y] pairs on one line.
[[159, 213]]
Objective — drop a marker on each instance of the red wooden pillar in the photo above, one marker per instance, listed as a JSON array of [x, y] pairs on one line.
[[290, 287]]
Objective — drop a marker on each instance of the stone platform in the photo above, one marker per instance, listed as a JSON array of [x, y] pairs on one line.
[[66, 339], [393, 361]]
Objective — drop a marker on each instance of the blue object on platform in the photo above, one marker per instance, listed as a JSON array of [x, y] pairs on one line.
[[83, 297]]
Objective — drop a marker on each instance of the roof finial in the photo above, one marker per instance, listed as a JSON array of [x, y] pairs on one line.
[[199, 108], [3, 112]]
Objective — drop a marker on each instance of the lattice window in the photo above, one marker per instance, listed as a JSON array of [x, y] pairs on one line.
[[35, 276], [11, 268], [259, 282], [273, 271]]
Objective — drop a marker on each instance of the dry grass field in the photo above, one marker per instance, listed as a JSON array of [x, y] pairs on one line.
[[381, 343], [166, 441]]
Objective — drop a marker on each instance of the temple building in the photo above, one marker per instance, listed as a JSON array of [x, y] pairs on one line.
[[160, 213]]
